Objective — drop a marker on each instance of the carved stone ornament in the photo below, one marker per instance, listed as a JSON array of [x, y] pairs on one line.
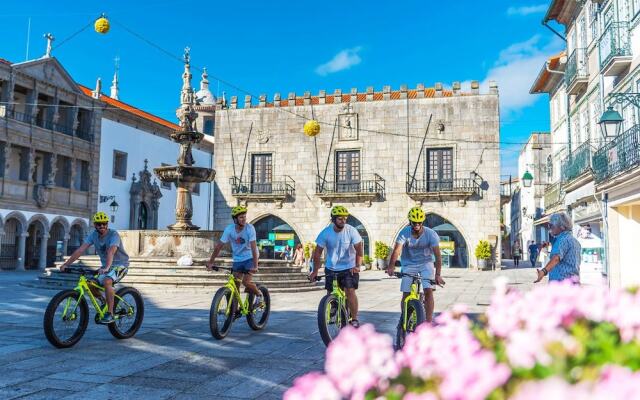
[[42, 195], [348, 126], [263, 136]]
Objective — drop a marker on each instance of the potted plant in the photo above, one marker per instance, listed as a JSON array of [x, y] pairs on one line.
[[366, 260], [483, 253], [381, 254]]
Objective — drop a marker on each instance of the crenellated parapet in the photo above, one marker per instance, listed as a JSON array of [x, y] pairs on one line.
[[370, 94]]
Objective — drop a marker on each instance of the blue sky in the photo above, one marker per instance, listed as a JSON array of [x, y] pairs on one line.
[[269, 47]]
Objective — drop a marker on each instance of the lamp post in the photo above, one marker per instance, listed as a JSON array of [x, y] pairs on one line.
[[527, 179], [610, 123], [113, 205]]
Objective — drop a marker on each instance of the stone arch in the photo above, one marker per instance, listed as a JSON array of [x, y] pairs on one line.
[[56, 243], [77, 232], [17, 215], [264, 224], [42, 219], [461, 260]]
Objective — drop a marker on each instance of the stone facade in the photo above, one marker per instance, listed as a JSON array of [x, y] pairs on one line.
[[383, 126], [50, 135]]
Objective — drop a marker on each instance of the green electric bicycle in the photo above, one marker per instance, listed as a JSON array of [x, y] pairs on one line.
[[227, 306], [332, 311], [67, 315], [413, 312]]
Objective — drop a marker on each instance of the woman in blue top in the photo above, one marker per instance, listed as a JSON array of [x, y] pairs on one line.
[[564, 260]]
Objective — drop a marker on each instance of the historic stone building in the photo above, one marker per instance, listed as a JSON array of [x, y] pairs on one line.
[[372, 155], [49, 142]]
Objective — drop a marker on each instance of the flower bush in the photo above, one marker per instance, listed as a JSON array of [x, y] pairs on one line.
[[381, 251], [557, 341], [483, 250]]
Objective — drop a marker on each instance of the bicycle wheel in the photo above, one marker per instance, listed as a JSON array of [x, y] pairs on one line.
[[66, 319], [128, 313], [415, 316], [257, 317], [221, 314], [331, 318]]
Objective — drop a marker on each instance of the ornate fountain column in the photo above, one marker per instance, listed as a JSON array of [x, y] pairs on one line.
[[184, 174]]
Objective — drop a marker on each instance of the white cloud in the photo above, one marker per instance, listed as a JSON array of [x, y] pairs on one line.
[[345, 59], [515, 70], [527, 10]]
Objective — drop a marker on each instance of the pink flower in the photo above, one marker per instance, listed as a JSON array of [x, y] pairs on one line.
[[359, 359], [312, 386]]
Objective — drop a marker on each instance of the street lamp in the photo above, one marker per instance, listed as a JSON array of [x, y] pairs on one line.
[[610, 123], [527, 179], [113, 205]]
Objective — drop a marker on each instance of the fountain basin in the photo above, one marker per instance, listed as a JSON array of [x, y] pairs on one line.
[[185, 173]]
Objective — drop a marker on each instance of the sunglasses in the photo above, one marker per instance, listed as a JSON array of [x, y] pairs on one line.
[[100, 225], [416, 223]]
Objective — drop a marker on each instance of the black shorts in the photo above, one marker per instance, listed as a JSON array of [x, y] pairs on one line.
[[346, 279]]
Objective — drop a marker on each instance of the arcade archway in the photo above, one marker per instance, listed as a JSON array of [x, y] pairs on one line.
[[456, 255], [275, 238]]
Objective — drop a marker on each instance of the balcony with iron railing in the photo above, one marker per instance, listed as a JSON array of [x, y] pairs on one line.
[[365, 190], [66, 128], [577, 71], [578, 163], [618, 156], [438, 190], [553, 196], [615, 49], [279, 190]]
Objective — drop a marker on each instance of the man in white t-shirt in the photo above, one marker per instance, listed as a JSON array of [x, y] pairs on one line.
[[418, 245], [242, 237], [343, 257]]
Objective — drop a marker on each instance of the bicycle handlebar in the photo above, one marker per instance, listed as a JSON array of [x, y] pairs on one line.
[[217, 268], [78, 270], [415, 276]]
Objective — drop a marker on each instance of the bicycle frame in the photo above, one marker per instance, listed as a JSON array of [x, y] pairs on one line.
[[83, 289], [414, 294], [341, 297], [235, 294]]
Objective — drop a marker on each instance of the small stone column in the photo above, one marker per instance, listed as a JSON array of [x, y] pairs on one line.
[[42, 262], [22, 244], [65, 243]]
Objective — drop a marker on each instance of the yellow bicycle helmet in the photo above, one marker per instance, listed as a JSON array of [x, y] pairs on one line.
[[339, 211], [237, 210], [100, 218], [416, 215]]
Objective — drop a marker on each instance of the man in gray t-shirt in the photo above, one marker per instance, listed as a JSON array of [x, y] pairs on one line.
[[113, 258], [419, 246]]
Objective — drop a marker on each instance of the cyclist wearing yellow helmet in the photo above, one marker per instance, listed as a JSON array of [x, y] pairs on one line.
[[113, 258], [344, 245], [418, 244], [242, 237]]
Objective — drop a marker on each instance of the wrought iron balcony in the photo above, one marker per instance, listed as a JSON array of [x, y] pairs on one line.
[[369, 189], [442, 189], [553, 196], [578, 162], [577, 72], [20, 116], [618, 156], [263, 191], [615, 48]]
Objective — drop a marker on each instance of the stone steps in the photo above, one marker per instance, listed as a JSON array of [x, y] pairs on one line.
[[160, 273]]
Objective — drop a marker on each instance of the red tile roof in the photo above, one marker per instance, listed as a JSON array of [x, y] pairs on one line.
[[131, 109]]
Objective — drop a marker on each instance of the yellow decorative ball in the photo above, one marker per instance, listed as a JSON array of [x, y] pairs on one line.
[[311, 128], [101, 25]]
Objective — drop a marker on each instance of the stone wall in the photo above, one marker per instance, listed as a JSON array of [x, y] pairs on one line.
[[466, 122]]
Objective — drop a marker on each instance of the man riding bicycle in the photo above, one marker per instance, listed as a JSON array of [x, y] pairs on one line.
[[344, 256], [242, 237], [113, 258], [418, 244]]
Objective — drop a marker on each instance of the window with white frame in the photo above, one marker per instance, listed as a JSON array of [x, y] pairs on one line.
[[596, 113], [585, 125], [593, 20]]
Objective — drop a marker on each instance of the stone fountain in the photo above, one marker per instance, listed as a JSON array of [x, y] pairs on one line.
[[185, 175]]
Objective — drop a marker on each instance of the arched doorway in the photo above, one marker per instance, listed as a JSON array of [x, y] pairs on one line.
[[33, 245], [55, 243], [273, 235], [76, 237], [143, 216], [449, 233], [355, 222], [9, 245]]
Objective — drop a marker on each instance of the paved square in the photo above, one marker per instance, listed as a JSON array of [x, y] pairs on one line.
[[174, 356]]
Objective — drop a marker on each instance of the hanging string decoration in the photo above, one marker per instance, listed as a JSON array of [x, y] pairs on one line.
[[102, 24], [311, 128]]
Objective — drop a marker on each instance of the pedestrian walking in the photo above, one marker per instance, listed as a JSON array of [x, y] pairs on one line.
[[564, 260], [516, 253], [533, 253]]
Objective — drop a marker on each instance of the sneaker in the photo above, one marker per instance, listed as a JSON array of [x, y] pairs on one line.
[[107, 319], [258, 302], [355, 323]]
